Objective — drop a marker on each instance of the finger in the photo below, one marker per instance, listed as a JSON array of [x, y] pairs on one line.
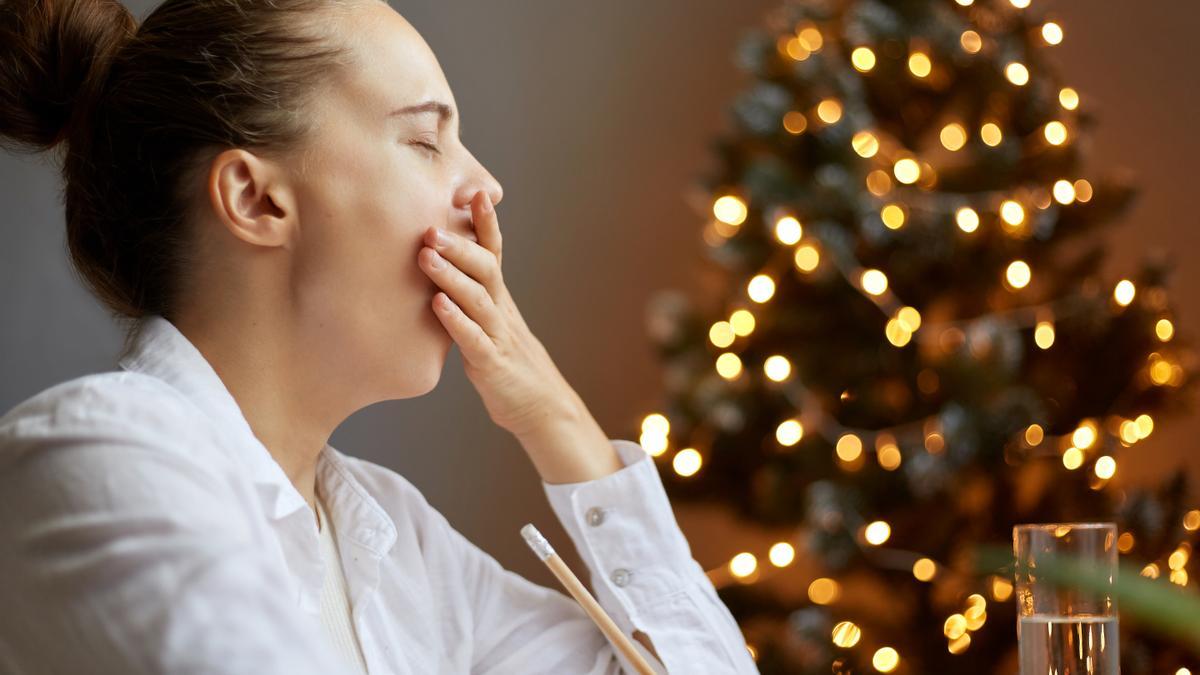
[[468, 294], [477, 347], [476, 261], [487, 224]]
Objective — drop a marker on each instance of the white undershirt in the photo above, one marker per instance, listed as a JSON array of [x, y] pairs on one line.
[[335, 605]]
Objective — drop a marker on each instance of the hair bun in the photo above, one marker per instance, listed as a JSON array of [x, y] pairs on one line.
[[54, 57]]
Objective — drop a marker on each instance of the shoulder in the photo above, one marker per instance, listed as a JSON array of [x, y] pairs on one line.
[[111, 406]]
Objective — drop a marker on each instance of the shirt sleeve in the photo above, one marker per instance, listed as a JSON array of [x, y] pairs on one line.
[[121, 556], [642, 573], [642, 570]]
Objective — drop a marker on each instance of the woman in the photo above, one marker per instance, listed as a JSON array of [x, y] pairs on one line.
[[259, 188]]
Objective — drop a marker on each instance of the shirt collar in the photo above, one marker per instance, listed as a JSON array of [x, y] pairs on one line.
[[157, 348]]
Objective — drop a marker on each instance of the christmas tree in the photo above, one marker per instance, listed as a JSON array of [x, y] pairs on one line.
[[910, 345]]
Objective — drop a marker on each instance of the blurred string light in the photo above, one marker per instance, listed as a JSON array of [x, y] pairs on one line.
[[1075, 446]]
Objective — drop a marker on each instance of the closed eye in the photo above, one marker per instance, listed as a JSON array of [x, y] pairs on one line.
[[431, 147]]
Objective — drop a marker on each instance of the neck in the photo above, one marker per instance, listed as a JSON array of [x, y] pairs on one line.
[[282, 388]]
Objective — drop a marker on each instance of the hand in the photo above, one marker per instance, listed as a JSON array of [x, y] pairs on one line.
[[522, 389]]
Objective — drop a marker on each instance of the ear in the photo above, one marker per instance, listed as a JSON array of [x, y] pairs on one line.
[[251, 198]]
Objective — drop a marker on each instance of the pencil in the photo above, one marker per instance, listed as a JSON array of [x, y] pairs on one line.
[[568, 579]]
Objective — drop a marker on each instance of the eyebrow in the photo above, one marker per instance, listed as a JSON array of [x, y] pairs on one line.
[[444, 112]]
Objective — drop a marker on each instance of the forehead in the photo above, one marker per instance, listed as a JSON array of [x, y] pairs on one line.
[[393, 65]]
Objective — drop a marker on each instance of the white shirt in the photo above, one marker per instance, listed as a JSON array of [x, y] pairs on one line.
[[145, 529], [336, 616]]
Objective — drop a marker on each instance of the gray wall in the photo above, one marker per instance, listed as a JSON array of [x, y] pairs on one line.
[[596, 117]]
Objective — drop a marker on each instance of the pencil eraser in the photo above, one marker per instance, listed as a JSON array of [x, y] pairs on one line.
[[536, 541]]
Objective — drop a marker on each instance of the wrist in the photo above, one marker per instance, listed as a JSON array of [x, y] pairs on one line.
[[569, 446]]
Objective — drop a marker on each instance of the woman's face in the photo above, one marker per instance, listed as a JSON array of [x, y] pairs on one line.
[[370, 191]]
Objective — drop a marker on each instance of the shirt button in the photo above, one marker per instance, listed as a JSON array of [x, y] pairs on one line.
[[621, 577], [595, 516]]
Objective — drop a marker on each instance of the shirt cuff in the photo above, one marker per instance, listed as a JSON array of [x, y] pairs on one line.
[[625, 531]]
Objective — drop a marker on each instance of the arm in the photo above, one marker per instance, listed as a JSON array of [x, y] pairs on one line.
[[519, 626], [122, 556], [642, 570]]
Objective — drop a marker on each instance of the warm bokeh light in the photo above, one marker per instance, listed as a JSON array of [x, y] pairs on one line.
[[849, 448], [1017, 73], [1106, 467], [865, 144], [1043, 335], [919, 64], [657, 424], [654, 444], [1012, 212], [1052, 33], [885, 659], [824, 591], [910, 318], [846, 634], [1056, 133], [807, 258], [953, 136], [788, 230], [761, 288], [777, 368], [1085, 436], [1064, 192], [907, 170], [729, 365], [955, 625], [898, 333], [1125, 542], [1034, 434], [730, 210], [1068, 98], [874, 282], [782, 554], [687, 462], [863, 59], [829, 110], [967, 219], [789, 432], [1002, 588], [879, 182], [1164, 329], [743, 565], [877, 533], [743, 322], [1018, 275], [990, 133], [924, 569], [1145, 425], [970, 41], [893, 216], [721, 334], [811, 38], [794, 122], [1072, 458], [1083, 190], [1124, 292], [1191, 520], [889, 456]]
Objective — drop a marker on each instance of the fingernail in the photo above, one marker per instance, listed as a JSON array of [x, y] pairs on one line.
[[441, 239]]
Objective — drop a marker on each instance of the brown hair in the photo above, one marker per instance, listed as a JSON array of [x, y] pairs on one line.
[[142, 110]]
